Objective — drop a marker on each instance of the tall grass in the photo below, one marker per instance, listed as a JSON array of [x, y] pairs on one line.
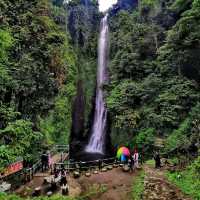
[[188, 180], [138, 187]]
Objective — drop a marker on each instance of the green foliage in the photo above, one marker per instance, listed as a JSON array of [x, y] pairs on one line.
[[14, 197], [5, 44], [150, 162], [87, 74], [6, 156], [23, 141], [155, 75], [185, 180], [6, 41], [150, 3], [38, 58], [180, 5], [133, 46], [145, 139], [119, 101], [83, 25], [138, 187], [37, 78], [94, 190], [187, 134], [57, 126], [180, 53], [178, 138], [8, 114]]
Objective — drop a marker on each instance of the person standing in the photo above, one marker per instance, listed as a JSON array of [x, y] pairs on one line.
[[157, 160], [131, 163], [43, 161], [50, 162], [63, 178], [136, 157], [142, 155], [100, 164], [47, 160]]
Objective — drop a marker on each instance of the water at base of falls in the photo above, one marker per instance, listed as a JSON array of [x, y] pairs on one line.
[[97, 140]]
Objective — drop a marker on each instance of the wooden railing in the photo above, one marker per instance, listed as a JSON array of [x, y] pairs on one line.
[[27, 174], [36, 167], [88, 165]]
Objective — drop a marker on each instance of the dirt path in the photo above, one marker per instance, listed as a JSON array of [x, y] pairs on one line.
[[158, 188], [113, 185], [117, 184]]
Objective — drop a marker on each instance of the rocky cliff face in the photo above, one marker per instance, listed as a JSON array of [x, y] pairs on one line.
[[78, 118], [123, 5], [127, 4], [58, 2], [83, 21]]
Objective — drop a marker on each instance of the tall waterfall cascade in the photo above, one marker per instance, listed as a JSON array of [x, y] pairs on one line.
[[97, 140]]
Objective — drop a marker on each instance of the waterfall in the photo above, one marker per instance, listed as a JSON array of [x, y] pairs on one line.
[[97, 139]]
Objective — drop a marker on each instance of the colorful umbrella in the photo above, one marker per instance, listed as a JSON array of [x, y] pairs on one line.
[[122, 153]]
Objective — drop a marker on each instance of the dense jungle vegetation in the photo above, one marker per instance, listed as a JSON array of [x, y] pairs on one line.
[[154, 69], [154, 75], [38, 78], [153, 93], [41, 65]]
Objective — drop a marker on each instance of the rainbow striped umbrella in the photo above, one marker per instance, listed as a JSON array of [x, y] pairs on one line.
[[122, 153]]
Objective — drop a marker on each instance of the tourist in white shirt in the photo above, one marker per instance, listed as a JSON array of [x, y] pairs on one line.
[[136, 157]]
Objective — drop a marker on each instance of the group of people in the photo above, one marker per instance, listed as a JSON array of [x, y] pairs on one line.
[[59, 176], [133, 160]]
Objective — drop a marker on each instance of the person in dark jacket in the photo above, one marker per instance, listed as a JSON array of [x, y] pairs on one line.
[[131, 164], [157, 160], [100, 164], [63, 178], [44, 161]]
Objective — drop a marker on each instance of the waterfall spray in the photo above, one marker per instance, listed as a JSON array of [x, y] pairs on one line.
[[97, 141]]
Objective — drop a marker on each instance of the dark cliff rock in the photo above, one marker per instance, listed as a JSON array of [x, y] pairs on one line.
[[83, 21], [127, 4], [123, 5], [166, 17], [78, 114], [57, 2]]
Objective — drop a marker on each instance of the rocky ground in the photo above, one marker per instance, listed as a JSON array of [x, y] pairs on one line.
[[112, 185], [118, 185], [38, 181], [158, 188]]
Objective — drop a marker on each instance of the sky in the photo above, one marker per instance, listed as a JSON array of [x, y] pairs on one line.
[[105, 4]]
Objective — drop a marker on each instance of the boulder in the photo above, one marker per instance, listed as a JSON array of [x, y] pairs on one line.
[[126, 168], [50, 193], [87, 174], [139, 168], [115, 165], [37, 192], [121, 165], [110, 167], [104, 170], [76, 174]]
